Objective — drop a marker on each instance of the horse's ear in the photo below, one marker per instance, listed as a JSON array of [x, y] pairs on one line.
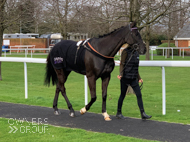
[[133, 24]]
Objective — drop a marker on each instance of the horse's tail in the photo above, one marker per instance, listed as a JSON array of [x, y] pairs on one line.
[[50, 73]]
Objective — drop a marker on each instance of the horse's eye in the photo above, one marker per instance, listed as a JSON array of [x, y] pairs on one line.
[[136, 33]]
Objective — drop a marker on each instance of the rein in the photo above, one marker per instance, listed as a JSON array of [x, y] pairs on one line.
[[127, 61], [141, 86], [98, 52]]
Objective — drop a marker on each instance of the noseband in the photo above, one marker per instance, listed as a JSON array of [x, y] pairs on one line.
[[135, 46]]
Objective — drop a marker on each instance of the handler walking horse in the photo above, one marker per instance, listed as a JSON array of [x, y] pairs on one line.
[[93, 58]]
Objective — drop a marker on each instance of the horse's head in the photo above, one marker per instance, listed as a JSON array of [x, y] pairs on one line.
[[133, 38]]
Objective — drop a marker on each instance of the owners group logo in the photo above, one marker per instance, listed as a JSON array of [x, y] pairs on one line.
[[22, 125], [58, 60]]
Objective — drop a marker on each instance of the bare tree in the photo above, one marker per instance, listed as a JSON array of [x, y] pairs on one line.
[[15, 14], [173, 19], [8, 15], [59, 11], [145, 12], [94, 17]]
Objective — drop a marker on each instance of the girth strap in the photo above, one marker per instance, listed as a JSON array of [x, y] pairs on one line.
[[82, 42]]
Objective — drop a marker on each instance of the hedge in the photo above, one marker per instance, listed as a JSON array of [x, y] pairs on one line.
[[160, 51]]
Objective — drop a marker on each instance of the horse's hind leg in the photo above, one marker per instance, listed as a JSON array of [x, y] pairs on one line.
[[62, 77], [105, 82], [56, 112]]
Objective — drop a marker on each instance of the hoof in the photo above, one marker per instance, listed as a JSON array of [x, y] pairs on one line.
[[106, 116], [83, 111], [72, 114], [107, 119], [57, 112]]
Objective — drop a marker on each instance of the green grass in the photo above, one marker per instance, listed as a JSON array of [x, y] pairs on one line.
[[47, 133], [177, 87], [166, 45], [177, 92]]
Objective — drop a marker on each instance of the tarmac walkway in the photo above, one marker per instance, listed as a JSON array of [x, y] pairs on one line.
[[144, 129]]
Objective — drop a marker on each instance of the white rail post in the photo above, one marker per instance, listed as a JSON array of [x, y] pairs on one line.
[[25, 81], [152, 54], [86, 89], [163, 92], [10, 50], [25, 53], [172, 53]]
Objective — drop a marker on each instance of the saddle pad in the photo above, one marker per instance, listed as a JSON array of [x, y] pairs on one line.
[[63, 55]]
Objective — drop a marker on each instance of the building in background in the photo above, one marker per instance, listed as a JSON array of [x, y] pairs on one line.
[[54, 38], [20, 35], [182, 38]]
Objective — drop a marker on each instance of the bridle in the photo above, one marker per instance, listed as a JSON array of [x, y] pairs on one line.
[[135, 45]]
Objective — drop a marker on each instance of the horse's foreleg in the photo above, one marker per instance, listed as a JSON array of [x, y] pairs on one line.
[[56, 112], [105, 82], [92, 86]]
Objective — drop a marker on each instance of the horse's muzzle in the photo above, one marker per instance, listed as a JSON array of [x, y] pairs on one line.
[[142, 49]]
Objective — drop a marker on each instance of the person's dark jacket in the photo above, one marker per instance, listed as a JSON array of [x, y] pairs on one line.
[[124, 58]]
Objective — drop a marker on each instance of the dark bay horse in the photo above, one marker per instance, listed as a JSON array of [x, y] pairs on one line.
[[93, 58]]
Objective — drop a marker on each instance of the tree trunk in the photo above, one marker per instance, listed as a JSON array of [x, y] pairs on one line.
[[169, 32], [130, 90], [0, 72], [134, 11], [147, 41], [2, 7], [1, 42], [131, 11], [168, 50], [65, 21]]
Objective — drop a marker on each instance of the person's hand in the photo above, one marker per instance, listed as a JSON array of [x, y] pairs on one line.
[[140, 81], [119, 77]]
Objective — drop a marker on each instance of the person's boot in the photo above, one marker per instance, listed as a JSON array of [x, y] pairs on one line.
[[145, 116], [120, 116]]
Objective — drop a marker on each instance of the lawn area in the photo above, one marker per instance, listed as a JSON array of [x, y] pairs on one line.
[[177, 96], [177, 91], [48, 133]]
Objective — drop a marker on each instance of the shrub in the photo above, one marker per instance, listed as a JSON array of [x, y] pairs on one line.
[[160, 51]]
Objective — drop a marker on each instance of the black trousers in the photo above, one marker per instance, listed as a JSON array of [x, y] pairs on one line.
[[135, 85]]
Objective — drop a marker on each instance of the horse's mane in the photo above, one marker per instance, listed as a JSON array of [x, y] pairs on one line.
[[100, 36]]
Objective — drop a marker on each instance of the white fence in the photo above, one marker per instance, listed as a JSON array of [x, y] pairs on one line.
[[181, 50], [161, 64], [26, 50], [32, 48]]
